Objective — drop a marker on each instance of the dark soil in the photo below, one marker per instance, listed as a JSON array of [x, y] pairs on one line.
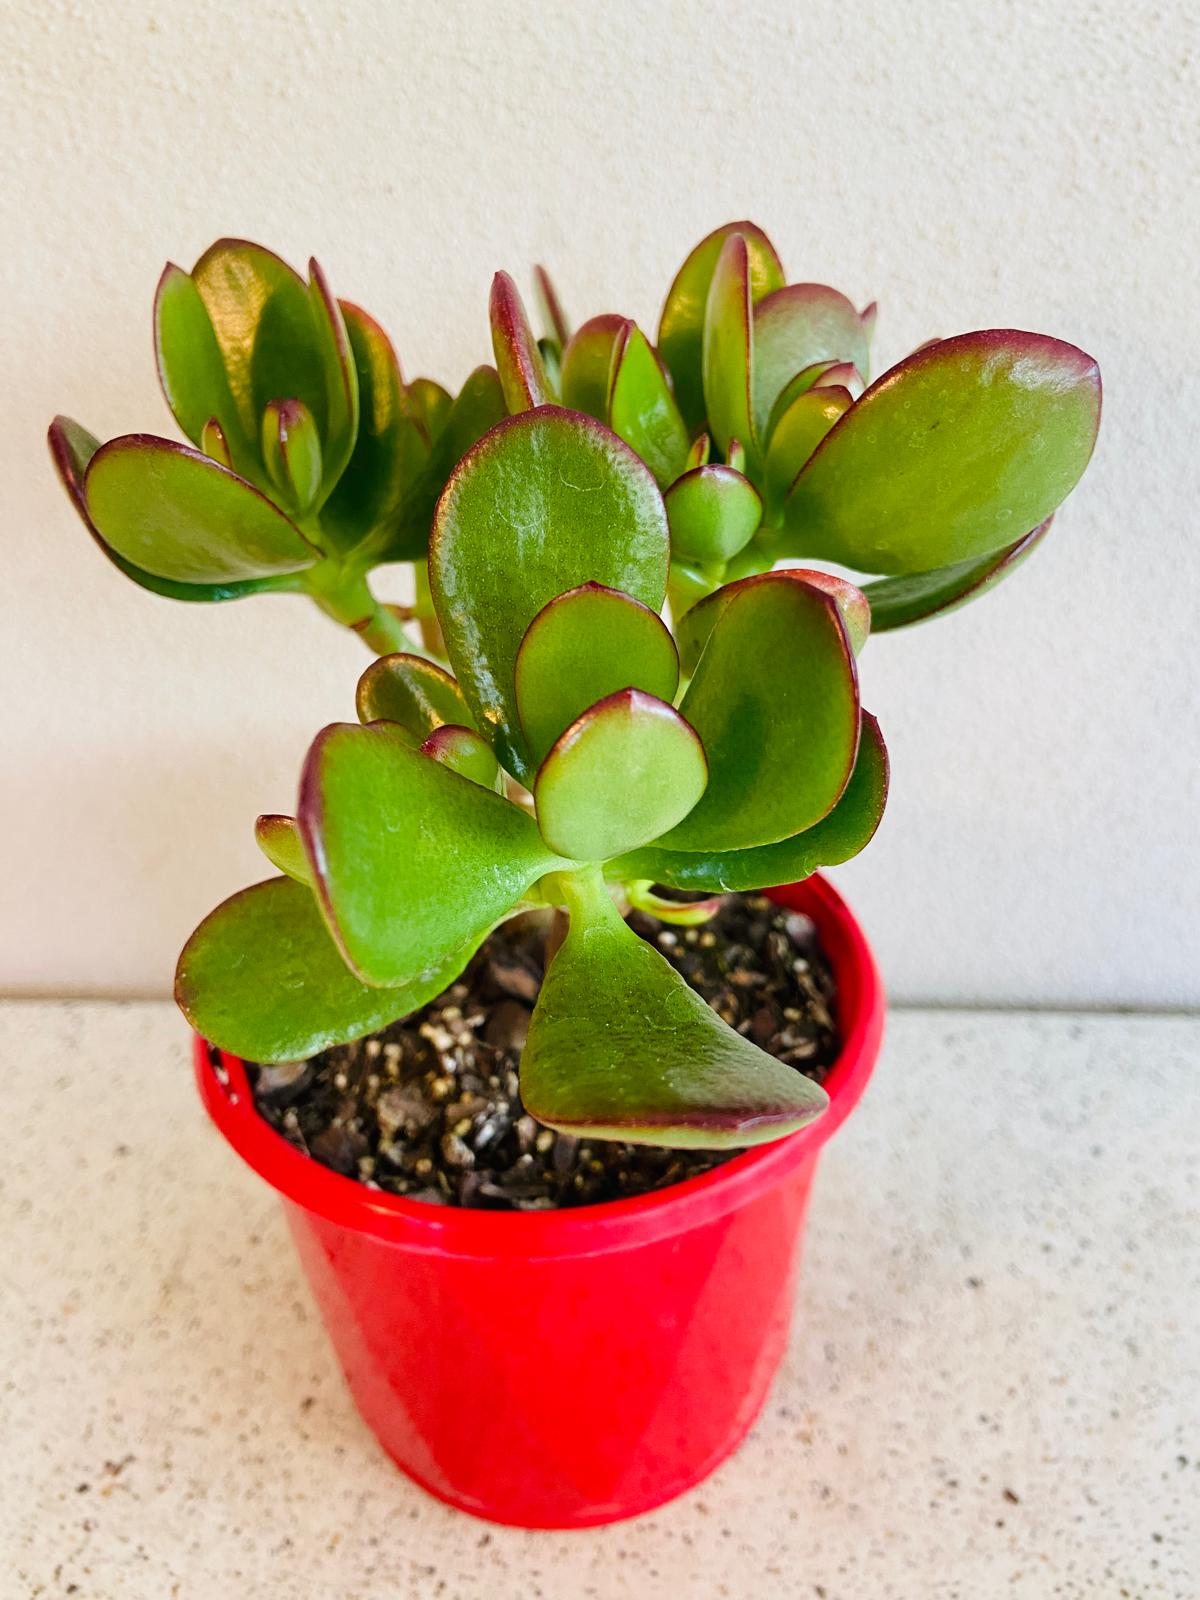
[[430, 1108]]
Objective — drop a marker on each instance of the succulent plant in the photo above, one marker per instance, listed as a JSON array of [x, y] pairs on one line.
[[939, 478], [311, 461], [548, 571], [573, 752]]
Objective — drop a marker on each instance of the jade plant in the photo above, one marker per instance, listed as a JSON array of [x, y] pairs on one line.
[[311, 460], [559, 748]]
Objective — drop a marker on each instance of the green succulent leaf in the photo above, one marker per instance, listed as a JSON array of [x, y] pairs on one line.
[[700, 452], [583, 646], [642, 409], [774, 698], [695, 627], [191, 369], [949, 456], [713, 512], [729, 354], [72, 448], [173, 512], [276, 343], [899, 602], [848, 828], [261, 978], [332, 342], [623, 773], [543, 503], [279, 840], [587, 365], [518, 359], [681, 327], [431, 404], [292, 451], [477, 408], [620, 1048], [412, 692], [215, 445], [413, 862], [465, 752], [391, 446], [796, 435], [795, 328]]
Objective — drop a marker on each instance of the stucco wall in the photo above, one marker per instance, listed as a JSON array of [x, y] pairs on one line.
[[970, 164]]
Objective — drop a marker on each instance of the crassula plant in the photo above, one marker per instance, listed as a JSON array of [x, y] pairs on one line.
[[569, 751]]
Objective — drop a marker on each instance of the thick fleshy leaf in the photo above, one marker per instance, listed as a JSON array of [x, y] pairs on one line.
[[215, 445], [415, 693], [431, 404], [553, 318], [261, 978], [582, 647], [796, 327], [332, 342], [841, 375], [642, 409], [620, 1048], [391, 446], [279, 840], [587, 365], [951, 455], [899, 602], [713, 512], [700, 452], [272, 345], [191, 369], [465, 752], [848, 828], [518, 360], [173, 512], [72, 448], [804, 380], [291, 449], [681, 327], [774, 698], [695, 627], [622, 774], [729, 353], [543, 503], [413, 862], [796, 435]]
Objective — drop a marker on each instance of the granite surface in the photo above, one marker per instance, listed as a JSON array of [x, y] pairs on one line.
[[993, 1388]]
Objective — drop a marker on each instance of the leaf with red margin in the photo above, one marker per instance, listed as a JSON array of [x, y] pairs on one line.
[[681, 326], [621, 775], [900, 602], [279, 840], [518, 359], [774, 698], [587, 365], [713, 513], [72, 448], [621, 1048], [413, 862], [414, 693], [553, 317], [642, 409], [729, 354], [465, 752], [796, 327], [543, 503], [261, 978], [170, 510], [949, 455], [848, 828], [581, 648]]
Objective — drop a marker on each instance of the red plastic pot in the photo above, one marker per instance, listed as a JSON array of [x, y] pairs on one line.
[[565, 1368]]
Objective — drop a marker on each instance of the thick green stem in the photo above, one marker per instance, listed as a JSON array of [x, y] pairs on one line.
[[347, 598]]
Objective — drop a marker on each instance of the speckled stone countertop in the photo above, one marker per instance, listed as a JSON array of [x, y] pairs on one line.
[[993, 1388]]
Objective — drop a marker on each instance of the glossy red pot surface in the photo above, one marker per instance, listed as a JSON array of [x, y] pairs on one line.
[[564, 1368]]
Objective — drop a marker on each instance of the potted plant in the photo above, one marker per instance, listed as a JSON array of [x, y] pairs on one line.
[[516, 998]]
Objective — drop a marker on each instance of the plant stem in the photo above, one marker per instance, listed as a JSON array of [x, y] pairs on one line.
[[347, 598]]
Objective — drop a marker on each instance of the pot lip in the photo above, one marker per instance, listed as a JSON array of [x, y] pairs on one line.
[[589, 1229]]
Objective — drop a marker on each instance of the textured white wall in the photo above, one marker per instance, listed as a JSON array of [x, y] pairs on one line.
[[970, 163]]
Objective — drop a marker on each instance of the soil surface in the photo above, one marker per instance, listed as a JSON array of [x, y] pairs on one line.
[[430, 1107]]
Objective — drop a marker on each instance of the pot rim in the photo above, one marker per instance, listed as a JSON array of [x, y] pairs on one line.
[[588, 1229]]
